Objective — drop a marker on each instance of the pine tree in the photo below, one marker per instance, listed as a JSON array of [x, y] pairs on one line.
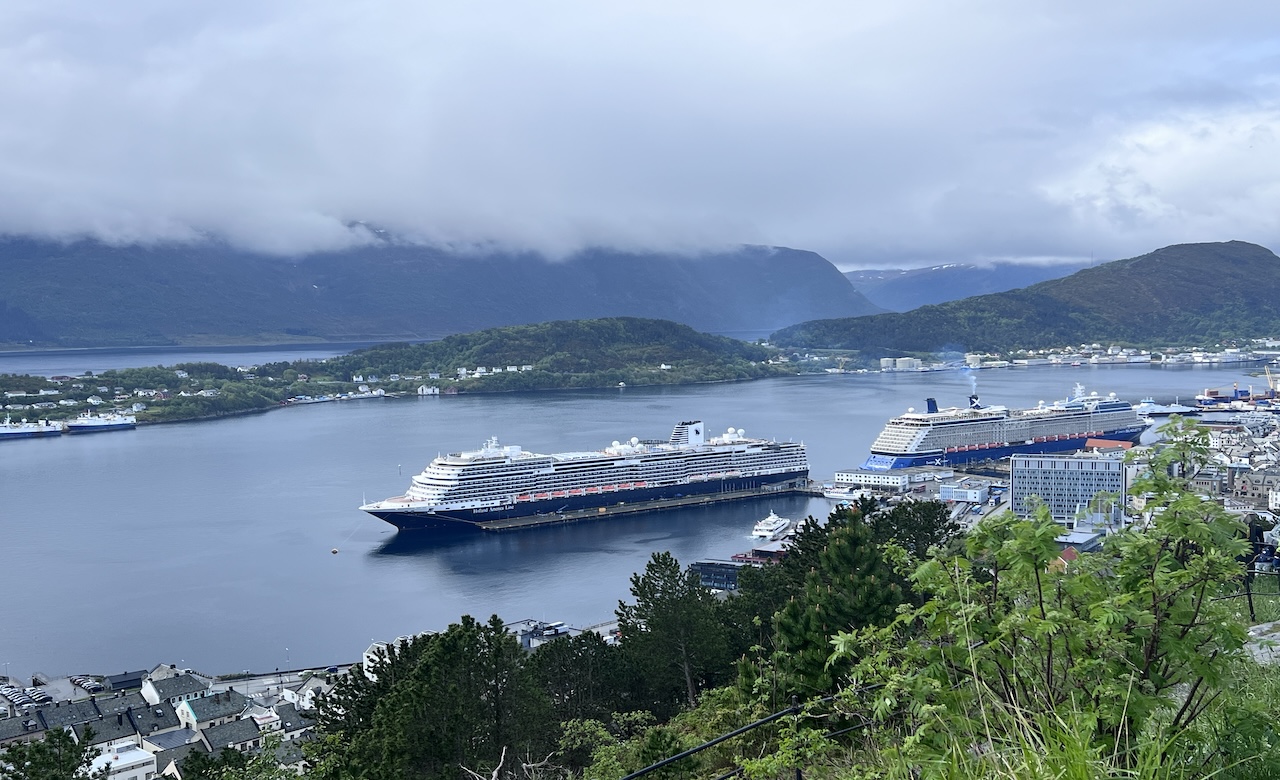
[[850, 587], [673, 630]]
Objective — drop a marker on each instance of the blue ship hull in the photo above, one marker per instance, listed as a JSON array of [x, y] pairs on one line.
[[101, 428], [886, 462], [471, 520], [29, 434]]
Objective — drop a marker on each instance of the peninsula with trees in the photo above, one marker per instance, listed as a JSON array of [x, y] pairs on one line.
[[583, 354]]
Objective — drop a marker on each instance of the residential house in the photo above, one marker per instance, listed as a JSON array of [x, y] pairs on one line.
[[23, 728], [292, 723], [303, 695], [108, 733], [214, 710], [239, 734], [169, 760], [130, 762], [174, 690], [125, 681]]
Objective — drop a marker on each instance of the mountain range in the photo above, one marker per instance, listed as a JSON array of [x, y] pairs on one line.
[[88, 293], [902, 289], [1178, 295]]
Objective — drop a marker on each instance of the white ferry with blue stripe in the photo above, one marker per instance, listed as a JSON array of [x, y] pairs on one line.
[[955, 436], [467, 490]]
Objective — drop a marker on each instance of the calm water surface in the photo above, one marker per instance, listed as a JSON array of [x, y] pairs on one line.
[[208, 544]]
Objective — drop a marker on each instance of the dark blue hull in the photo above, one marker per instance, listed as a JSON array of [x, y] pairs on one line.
[[554, 508], [29, 434], [101, 428], [879, 462]]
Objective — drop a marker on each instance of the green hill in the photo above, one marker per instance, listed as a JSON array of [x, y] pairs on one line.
[[1182, 294], [579, 353]]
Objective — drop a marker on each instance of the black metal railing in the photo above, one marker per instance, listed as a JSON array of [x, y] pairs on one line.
[[795, 709]]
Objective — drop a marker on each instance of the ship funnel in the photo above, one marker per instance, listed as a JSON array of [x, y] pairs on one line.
[[931, 405], [688, 434], [973, 402]]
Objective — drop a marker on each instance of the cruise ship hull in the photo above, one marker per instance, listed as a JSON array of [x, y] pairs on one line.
[[882, 461], [554, 508]]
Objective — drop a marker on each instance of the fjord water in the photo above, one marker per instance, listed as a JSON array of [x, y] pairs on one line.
[[208, 544]]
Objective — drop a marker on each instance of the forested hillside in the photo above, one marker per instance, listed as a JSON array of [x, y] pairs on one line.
[[1183, 294], [92, 294]]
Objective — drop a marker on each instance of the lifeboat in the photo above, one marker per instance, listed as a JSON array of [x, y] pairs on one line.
[[593, 489], [524, 497], [542, 495], [559, 494], [641, 484]]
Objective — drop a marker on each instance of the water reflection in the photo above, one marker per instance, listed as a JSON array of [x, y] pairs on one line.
[[697, 532]]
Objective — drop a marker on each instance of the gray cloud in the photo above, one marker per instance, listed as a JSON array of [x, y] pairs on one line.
[[877, 134]]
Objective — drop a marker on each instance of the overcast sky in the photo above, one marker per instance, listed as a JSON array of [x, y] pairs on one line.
[[879, 134]]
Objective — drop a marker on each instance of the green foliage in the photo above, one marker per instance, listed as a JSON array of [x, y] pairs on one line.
[[462, 698], [585, 677], [226, 763], [1126, 647], [57, 757], [913, 527], [1159, 297], [578, 353], [673, 631], [850, 588]]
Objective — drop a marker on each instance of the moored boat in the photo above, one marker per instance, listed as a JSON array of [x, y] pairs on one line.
[[953, 436], [494, 483], [1147, 407], [772, 527], [28, 430], [89, 422]]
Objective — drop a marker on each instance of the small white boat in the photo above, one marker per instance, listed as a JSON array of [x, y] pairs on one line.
[[771, 528], [844, 494], [1147, 407]]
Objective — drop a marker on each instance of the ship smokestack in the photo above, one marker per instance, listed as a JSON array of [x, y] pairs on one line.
[[973, 402], [931, 405]]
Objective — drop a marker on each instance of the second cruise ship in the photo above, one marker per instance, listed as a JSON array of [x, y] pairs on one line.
[[940, 437]]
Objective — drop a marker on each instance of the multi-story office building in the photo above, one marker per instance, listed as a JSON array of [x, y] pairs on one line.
[[1067, 484]]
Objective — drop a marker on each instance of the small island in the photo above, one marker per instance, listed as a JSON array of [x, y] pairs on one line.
[[580, 354]]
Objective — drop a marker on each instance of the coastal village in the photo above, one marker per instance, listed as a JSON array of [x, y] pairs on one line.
[[144, 723]]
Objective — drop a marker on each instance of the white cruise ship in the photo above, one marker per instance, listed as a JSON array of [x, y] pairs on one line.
[[955, 436], [496, 482]]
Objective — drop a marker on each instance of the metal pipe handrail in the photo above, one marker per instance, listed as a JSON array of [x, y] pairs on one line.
[[794, 709]]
